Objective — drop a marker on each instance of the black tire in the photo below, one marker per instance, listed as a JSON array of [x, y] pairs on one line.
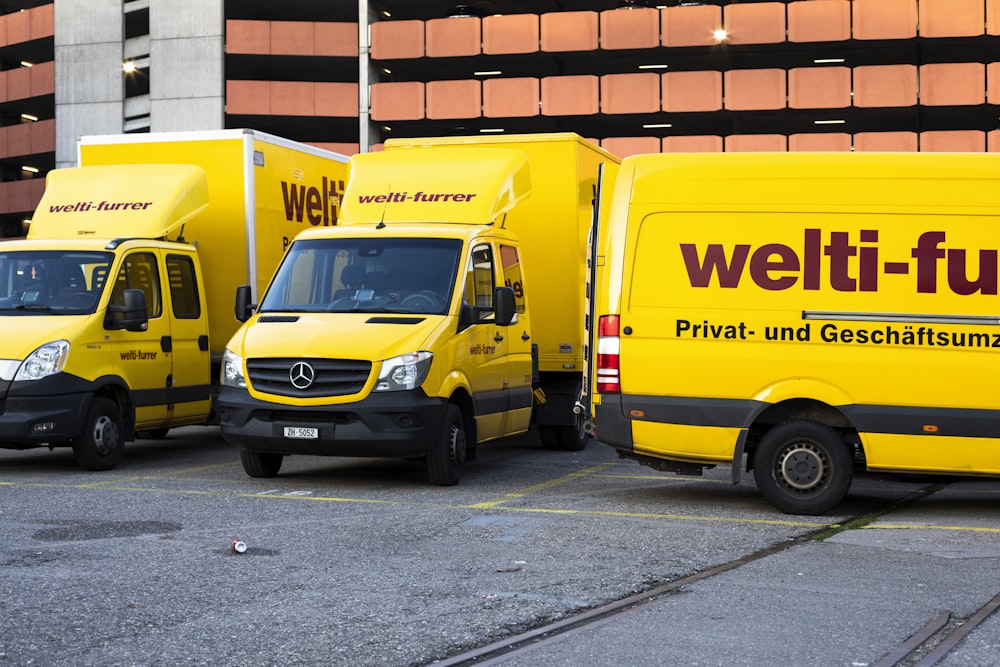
[[153, 434], [567, 438], [574, 438], [803, 467], [102, 443], [549, 436], [447, 455], [261, 464]]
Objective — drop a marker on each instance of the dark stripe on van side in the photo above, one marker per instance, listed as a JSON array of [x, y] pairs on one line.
[[521, 397], [902, 420], [162, 395], [691, 411], [191, 393], [490, 402], [962, 422]]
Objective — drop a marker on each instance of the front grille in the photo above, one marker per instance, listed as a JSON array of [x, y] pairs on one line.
[[330, 377]]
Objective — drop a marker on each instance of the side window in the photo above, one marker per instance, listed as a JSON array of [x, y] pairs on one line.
[[183, 287], [479, 277], [139, 272], [511, 261]]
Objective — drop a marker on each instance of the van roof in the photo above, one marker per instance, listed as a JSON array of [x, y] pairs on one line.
[[115, 201], [442, 184], [836, 182]]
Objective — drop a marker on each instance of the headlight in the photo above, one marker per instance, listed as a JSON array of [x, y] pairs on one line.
[[232, 371], [45, 361], [406, 371]]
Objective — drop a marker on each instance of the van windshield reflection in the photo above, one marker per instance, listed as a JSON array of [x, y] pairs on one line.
[[388, 275]]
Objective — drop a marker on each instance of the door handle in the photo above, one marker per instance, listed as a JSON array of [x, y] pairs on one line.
[[525, 336], [497, 338]]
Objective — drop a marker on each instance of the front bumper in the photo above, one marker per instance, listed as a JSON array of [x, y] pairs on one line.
[[41, 417], [395, 424]]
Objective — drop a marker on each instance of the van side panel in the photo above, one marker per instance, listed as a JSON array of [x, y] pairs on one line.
[[866, 284]]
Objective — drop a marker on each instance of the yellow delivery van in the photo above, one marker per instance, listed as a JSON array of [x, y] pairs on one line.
[[116, 307], [800, 315], [444, 312]]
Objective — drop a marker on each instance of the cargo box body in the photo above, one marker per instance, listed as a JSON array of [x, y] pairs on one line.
[[263, 191]]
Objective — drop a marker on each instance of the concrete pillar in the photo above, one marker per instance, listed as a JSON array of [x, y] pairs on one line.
[[186, 64], [88, 64]]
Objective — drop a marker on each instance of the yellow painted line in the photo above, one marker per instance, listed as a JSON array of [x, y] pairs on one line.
[[666, 478], [516, 495], [330, 499], [477, 506], [163, 475], [672, 517], [231, 494], [912, 526]]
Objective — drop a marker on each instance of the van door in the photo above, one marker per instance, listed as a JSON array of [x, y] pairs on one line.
[[189, 397], [518, 373], [482, 346], [140, 357]]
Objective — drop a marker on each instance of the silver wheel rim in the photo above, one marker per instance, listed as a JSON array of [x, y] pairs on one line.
[[802, 467], [105, 435]]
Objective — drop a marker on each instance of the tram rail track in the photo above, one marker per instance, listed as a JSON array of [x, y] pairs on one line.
[[496, 653]]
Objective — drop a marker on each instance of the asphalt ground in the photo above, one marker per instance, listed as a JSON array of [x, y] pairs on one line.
[[361, 562]]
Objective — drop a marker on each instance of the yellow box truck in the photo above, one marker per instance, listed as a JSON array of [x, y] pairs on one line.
[[116, 307], [444, 312], [800, 315]]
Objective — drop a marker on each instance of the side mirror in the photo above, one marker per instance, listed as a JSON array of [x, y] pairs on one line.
[[504, 305], [244, 306], [131, 315]]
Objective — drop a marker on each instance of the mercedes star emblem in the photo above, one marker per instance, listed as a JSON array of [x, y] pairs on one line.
[[301, 375]]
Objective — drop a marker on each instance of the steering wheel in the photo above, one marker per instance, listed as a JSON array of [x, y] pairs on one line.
[[424, 300]]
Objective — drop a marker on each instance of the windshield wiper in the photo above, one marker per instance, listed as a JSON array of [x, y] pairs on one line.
[[39, 307]]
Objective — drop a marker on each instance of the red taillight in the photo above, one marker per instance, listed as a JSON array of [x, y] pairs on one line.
[[608, 348]]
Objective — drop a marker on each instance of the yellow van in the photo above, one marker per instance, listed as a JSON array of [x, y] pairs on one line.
[[116, 307], [445, 311], [800, 315]]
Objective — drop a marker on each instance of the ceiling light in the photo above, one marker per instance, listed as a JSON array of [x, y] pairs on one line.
[[128, 67], [653, 66], [829, 122], [491, 130], [25, 63], [492, 72], [651, 126], [28, 116], [29, 169], [824, 61], [720, 35]]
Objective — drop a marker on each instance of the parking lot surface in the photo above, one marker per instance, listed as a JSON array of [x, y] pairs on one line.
[[362, 562]]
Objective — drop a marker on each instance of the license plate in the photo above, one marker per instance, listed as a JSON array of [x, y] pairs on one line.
[[301, 433]]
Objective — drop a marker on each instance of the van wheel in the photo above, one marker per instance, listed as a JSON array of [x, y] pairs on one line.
[[102, 443], [447, 454], [261, 464], [802, 467]]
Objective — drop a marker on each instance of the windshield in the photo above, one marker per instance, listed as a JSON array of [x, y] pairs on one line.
[[395, 275], [52, 282]]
